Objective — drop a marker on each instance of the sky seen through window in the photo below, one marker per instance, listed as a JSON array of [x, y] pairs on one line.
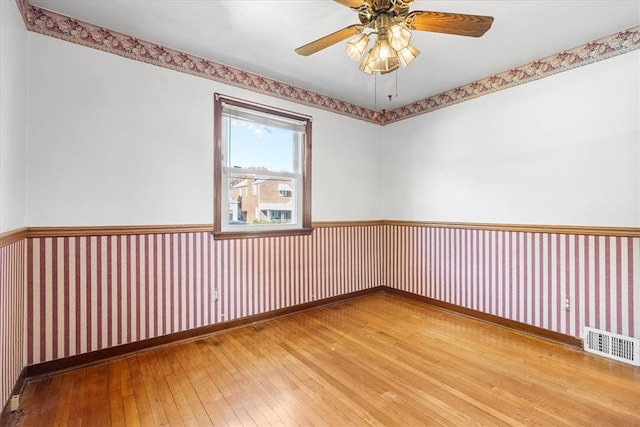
[[256, 146]]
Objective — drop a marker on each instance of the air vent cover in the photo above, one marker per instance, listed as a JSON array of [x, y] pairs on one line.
[[613, 346]]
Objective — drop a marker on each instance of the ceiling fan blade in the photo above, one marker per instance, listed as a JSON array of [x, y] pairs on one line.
[[353, 4], [329, 40], [449, 23]]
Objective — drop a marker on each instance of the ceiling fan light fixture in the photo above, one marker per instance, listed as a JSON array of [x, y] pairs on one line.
[[399, 36], [382, 58], [356, 46], [383, 49], [407, 54], [364, 65], [383, 66]]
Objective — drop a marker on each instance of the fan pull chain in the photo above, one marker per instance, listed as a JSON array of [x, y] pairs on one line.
[[375, 91], [396, 92], [396, 84], [376, 114]]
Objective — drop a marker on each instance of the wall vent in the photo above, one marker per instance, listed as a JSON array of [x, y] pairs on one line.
[[613, 346]]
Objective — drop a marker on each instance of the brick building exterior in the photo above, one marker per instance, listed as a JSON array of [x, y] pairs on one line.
[[254, 200]]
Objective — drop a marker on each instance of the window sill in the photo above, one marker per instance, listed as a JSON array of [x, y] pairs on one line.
[[232, 235]]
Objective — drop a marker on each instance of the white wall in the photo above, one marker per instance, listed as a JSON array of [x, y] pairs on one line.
[[13, 117], [561, 150], [118, 142], [114, 141]]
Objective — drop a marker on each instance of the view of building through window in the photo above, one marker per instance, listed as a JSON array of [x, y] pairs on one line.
[[256, 200]]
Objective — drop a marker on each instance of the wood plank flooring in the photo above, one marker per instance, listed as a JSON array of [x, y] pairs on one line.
[[377, 360]]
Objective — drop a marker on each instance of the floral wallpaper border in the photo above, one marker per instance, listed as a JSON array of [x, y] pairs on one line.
[[607, 47], [66, 28]]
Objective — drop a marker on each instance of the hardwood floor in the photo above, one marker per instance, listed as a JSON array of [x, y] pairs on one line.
[[376, 360]]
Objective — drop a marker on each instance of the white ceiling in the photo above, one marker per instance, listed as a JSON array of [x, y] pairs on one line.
[[260, 36]]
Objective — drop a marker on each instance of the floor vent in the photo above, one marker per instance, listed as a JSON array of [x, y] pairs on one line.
[[613, 346]]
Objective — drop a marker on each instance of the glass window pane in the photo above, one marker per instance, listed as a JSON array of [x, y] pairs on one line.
[[256, 146], [261, 200]]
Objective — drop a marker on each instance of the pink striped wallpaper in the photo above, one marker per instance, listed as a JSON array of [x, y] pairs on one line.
[[12, 316], [522, 276], [88, 293]]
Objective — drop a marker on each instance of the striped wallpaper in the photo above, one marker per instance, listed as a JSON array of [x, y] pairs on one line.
[[75, 294], [12, 316], [86, 293], [522, 276]]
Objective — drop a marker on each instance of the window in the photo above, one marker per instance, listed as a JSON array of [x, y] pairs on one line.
[[262, 170]]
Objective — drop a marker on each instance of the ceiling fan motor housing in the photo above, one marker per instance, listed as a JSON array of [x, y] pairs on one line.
[[371, 9]]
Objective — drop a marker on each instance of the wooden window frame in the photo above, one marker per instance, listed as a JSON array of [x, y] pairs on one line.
[[304, 227]]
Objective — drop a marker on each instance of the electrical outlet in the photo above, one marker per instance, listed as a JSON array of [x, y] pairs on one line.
[[15, 403], [215, 294], [566, 304]]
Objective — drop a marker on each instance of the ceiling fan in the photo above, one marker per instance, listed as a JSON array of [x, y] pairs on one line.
[[391, 21]]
